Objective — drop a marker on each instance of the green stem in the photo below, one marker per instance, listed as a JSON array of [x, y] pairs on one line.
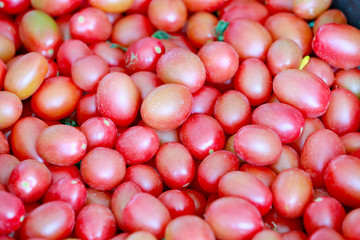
[[161, 35], [114, 45], [70, 122], [220, 29]]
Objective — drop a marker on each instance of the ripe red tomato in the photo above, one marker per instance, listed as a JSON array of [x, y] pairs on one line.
[[12, 213]]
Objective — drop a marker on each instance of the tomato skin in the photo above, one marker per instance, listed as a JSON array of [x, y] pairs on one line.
[[118, 98], [201, 5], [310, 10], [145, 81], [257, 144], [54, 142], [232, 110], [199, 200], [289, 158], [166, 107], [23, 138], [90, 25], [44, 222], [26, 75], [349, 79], [137, 144], [285, 120], [292, 190], [8, 163], [60, 172], [349, 225], [40, 33], [204, 100], [264, 174], [189, 227], [253, 79], [323, 212], [302, 90], [120, 198], [112, 6], [321, 69], [213, 167], [56, 98], [99, 132], [274, 220], [202, 134], [29, 180], [68, 189], [143, 55], [112, 55], [325, 233], [329, 16], [15, 6], [319, 149], [177, 202], [11, 109], [340, 180], [12, 212], [247, 187], [249, 38], [95, 221], [343, 112], [56, 8], [199, 28], [145, 212], [146, 177], [288, 25], [181, 66], [86, 108], [4, 144], [233, 218], [103, 168], [166, 15], [338, 45]]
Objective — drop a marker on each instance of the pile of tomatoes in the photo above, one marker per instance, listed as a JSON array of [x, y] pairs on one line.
[[178, 119]]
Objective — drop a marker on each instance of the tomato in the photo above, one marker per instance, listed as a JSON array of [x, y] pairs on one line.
[[99, 132], [349, 227], [249, 38], [283, 54], [108, 52], [264, 174], [343, 109], [137, 144], [11, 109], [29, 180], [310, 9], [15, 6], [302, 90], [325, 233], [146, 178], [202, 135], [166, 107], [294, 235], [12, 212], [86, 72], [95, 221], [201, 5], [4, 144], [60, 172], [340, 179], [351, 141], [177, 202], [349, 79], [120, 198], [44, 222], [199, 200], [232, 110], [103, 168], [146, 82], [189, 227], [143, 55], [253, 79], [267, 234], [167, 15], [250, 10], [324, 212], [56, 8], [90, 25], [98, 196], [321, 69], [56, 98], [330, 41], [285, 120], [213, 167], [329, 16], [292, 190], [26, 75], [274, 220], [70, 190], [289, 158], [204, 100], [131, 28], [8, 163], [257, 144], [118, 98], [233, 218], [145, 212], [7, 48], [319, 149], [112, 6], [70, 51], [183, 67], [199, 28], [54, 142], [86, 108], [288, 25]]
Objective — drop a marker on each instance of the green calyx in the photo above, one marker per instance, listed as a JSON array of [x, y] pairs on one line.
[[161, 35], [220, 29], [69, 122]]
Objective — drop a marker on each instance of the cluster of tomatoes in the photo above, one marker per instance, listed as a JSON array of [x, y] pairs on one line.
[[178, 119]]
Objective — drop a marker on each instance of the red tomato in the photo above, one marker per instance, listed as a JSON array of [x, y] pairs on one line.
[[200, 28], [264, 174], [178, 203], [189, 227], [338, 44], [349, 225], [204, 100], [56, 8], [325, 233], [29, 180], [44, 222], [12, 213], [233, 218], [11, 109], [257, 144], [112, 6]]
